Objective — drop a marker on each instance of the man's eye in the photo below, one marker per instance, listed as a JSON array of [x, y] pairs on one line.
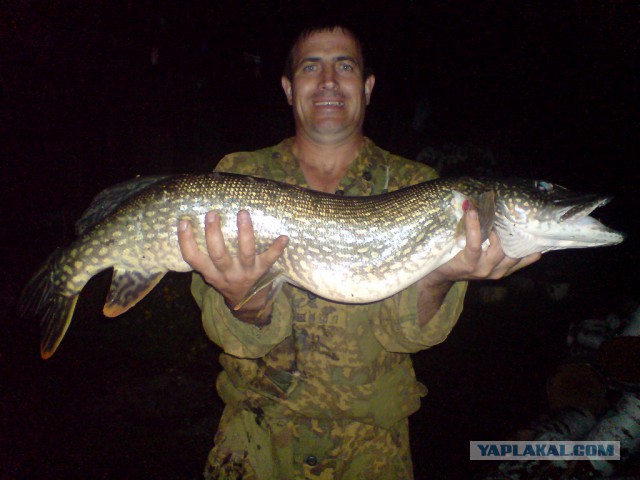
[[347, 67], [308, 68]]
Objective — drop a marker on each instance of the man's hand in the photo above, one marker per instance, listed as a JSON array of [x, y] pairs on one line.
[[232, 275], [472, 263]]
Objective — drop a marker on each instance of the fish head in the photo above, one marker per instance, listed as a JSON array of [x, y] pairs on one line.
[[538, 216]]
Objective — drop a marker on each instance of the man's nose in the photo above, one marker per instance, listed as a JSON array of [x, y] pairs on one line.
[[328, 81]]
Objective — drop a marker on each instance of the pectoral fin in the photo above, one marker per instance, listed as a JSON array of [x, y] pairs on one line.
[[128, 287], [485, 204], [275, 280], [486, 212]]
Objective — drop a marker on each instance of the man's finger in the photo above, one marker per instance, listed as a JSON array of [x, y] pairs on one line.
[[473, 248], [495, 253], [189, 247], [274, 251], [246, 240], [524, 262], [216, 246], [186, 240]]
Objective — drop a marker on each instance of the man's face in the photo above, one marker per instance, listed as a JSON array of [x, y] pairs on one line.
[[328, 92]]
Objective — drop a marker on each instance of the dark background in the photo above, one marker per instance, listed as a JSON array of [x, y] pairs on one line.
[[549, 88]]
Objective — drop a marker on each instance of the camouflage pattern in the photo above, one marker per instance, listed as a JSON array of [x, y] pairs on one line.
[[324, 379], [307, 448]]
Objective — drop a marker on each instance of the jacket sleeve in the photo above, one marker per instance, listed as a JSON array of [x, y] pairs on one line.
[[397, 328], [234, 336]]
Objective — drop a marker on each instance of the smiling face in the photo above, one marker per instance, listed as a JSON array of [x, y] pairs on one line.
[[327, 91]]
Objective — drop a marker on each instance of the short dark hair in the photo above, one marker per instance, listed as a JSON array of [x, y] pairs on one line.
[[328, 27]]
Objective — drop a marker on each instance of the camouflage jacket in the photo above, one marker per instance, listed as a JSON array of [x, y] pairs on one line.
[[320, 359]]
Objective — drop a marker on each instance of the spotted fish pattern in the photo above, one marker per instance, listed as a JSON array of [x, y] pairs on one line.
[[344, 249]]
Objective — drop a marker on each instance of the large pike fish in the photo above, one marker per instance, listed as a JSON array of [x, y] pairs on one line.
[[345, 249]]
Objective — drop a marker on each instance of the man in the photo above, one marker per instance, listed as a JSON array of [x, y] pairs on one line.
[[315, 389]]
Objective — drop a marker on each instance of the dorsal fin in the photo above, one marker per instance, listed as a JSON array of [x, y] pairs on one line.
[[105, 202]]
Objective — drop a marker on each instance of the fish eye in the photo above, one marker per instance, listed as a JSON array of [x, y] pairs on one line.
[[543, 186]]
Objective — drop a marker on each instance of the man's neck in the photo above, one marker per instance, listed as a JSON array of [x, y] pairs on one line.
[[325, 165]]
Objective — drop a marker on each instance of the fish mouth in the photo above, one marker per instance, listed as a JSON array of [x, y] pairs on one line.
[[574, 208], [574, 212]]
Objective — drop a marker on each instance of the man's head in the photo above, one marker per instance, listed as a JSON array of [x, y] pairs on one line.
[[325, 82], [330, 27]]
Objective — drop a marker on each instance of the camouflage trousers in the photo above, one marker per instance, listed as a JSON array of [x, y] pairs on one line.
[[250, 446]]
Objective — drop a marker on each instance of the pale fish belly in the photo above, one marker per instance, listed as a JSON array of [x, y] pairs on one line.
[[341, 282]]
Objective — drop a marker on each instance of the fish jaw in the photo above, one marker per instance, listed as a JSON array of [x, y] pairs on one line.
[[584, 232], [565, 224]]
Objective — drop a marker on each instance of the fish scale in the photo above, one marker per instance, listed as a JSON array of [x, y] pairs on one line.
[[328, 234], [345, 249]]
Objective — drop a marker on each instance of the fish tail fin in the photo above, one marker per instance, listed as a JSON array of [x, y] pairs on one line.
[[39, 299], [36, 294]]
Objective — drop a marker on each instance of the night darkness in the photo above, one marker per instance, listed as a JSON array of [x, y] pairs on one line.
[[94, 93]]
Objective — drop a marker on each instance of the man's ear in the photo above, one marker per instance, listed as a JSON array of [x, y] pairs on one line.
[[368, 87], [288, 89]]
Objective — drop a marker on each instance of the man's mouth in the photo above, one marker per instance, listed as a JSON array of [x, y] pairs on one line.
[[329, 103]]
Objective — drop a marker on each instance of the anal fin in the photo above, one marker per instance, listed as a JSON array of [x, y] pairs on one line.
[[55, 322], [127, 288]]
